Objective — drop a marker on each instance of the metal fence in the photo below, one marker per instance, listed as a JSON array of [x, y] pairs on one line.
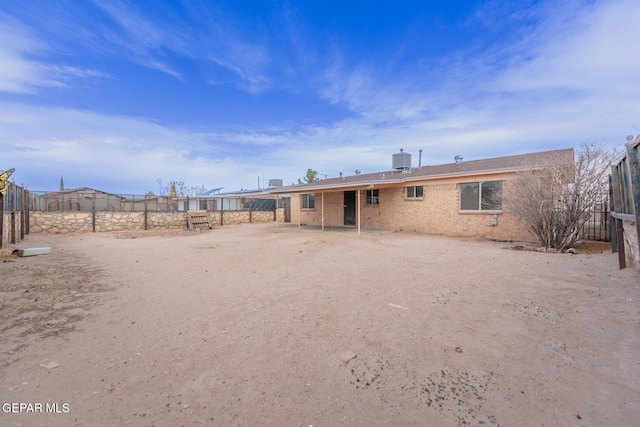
[[597, 226], [88, 200]]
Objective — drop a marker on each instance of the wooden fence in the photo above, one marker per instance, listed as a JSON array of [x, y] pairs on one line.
[[625, 205], [14, 214]]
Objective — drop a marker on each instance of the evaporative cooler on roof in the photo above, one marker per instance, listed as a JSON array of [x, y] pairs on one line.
[[401, 161]]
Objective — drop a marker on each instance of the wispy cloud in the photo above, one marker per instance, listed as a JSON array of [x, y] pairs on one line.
[[567, 76], [141, 40], [579, 50], [211, 35], [23, 72]]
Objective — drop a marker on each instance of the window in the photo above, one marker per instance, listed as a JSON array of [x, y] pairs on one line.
[[373, 197], [416, 192], [308, 201], [481, 196]]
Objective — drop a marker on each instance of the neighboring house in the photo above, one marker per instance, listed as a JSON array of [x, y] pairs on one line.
[[149, 203], [213, 200], [462, 198], [76, 199]]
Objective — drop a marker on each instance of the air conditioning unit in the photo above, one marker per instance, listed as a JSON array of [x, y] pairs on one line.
[[401, 161]]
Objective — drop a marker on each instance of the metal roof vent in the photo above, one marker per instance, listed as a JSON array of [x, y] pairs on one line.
[[458, 159], [401, 161], [358, 172]]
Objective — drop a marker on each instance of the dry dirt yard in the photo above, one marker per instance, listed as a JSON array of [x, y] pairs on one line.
[[258, 325]]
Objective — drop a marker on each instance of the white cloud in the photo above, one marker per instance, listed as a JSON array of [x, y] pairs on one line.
[[598, 44], [219, 37], [22, 72], [570, 79]]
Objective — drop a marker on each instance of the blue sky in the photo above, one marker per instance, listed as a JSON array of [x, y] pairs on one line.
[[117, 94]]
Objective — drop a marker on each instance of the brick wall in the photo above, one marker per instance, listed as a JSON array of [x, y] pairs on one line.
[[333, 210], [436, 213]]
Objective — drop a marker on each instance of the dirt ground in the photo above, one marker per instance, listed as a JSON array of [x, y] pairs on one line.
[[258, 325]]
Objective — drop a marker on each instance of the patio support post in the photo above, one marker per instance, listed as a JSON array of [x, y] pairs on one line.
[[358, 210], [322, 211], [299, 209]]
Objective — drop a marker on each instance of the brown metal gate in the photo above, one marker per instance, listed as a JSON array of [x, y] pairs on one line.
[[597, 225]]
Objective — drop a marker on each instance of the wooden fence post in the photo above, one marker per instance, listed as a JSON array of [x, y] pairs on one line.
[[28, 209], [634, 170], [145, 212], [1, 219], [612, 209], [22, 216], [13, 214]]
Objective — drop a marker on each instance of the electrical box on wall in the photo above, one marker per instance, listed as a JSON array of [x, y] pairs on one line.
[[494, 220]]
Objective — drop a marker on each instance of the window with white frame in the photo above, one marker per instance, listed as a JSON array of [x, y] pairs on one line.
[[416, 192], [481, 196], [373, 197], [308, 201]]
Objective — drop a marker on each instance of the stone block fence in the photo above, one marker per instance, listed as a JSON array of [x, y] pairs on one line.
[[98, 221]]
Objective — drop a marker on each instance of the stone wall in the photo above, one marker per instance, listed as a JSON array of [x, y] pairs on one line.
[[632, 251], [82, 222], [240, 217]]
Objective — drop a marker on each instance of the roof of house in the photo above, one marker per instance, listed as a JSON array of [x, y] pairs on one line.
[[211, 192], [465, 168], [250, 193], [78, 190]]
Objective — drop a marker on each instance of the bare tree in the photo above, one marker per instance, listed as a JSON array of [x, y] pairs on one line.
[[554, 201], [180, 189]]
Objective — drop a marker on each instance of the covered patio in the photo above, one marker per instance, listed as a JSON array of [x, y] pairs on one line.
[[327, 197]]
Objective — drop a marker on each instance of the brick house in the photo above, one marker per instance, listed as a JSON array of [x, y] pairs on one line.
[[462, 198]]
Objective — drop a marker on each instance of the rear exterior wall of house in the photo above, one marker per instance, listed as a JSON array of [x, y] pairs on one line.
[[437, 212]]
